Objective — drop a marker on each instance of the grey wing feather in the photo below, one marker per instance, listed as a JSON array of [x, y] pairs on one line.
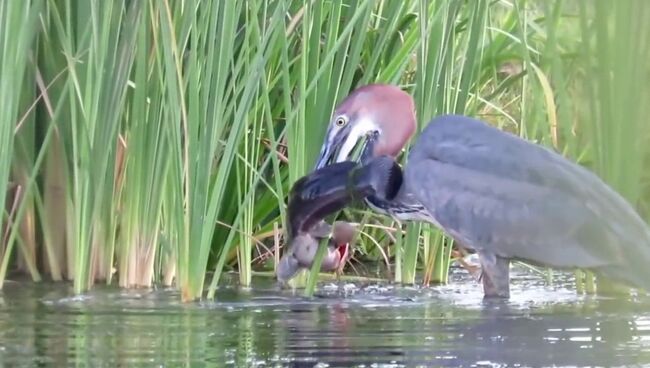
[[490, 189]]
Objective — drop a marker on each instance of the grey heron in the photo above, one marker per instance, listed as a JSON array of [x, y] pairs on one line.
[[493, 192]]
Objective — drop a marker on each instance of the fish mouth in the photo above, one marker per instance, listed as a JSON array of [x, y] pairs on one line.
[[343, 250]]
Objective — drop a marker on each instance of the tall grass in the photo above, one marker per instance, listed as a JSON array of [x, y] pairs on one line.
[[156, 140], [18, 22], [616, 37]]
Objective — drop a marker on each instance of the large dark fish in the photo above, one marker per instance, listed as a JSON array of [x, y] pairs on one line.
[[324, 192]]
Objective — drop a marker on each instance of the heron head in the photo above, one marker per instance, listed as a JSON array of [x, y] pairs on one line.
[[383, 113]]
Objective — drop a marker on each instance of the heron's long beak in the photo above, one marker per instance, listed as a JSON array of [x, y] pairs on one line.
[[340, 145], [333, 142]]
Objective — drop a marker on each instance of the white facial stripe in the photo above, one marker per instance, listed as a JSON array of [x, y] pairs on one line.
[[360, 128]]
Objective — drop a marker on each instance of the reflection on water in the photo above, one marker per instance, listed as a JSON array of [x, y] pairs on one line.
[[346, 325]]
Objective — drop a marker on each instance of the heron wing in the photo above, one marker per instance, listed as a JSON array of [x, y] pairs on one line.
[[501, 194]]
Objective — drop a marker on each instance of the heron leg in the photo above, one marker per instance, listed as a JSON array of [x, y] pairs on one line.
[[495, 275]]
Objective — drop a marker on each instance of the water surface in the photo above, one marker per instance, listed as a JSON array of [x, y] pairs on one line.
[[345, 325]]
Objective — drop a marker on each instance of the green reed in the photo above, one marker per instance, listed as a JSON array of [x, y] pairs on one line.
[[154, 140]]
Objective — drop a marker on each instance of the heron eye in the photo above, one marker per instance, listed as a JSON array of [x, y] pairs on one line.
[[340, 121]]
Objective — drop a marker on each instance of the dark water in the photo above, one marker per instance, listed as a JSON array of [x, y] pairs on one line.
[[347, 325]]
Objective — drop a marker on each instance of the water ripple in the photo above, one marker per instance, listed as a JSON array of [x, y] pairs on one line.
[[345, 325]]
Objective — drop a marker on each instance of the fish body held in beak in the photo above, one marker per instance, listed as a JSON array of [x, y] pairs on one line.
[[324, 192], [303, 252]]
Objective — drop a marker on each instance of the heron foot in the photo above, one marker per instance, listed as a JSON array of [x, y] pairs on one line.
[[495, 276]]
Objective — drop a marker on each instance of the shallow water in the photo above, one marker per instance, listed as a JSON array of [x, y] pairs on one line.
[[345, 325]]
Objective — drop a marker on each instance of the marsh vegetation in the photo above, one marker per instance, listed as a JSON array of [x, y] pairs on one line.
[[154, 142]]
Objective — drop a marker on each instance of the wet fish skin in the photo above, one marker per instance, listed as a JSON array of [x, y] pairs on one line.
[[323, 192], [332, 188], [301, 255]]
